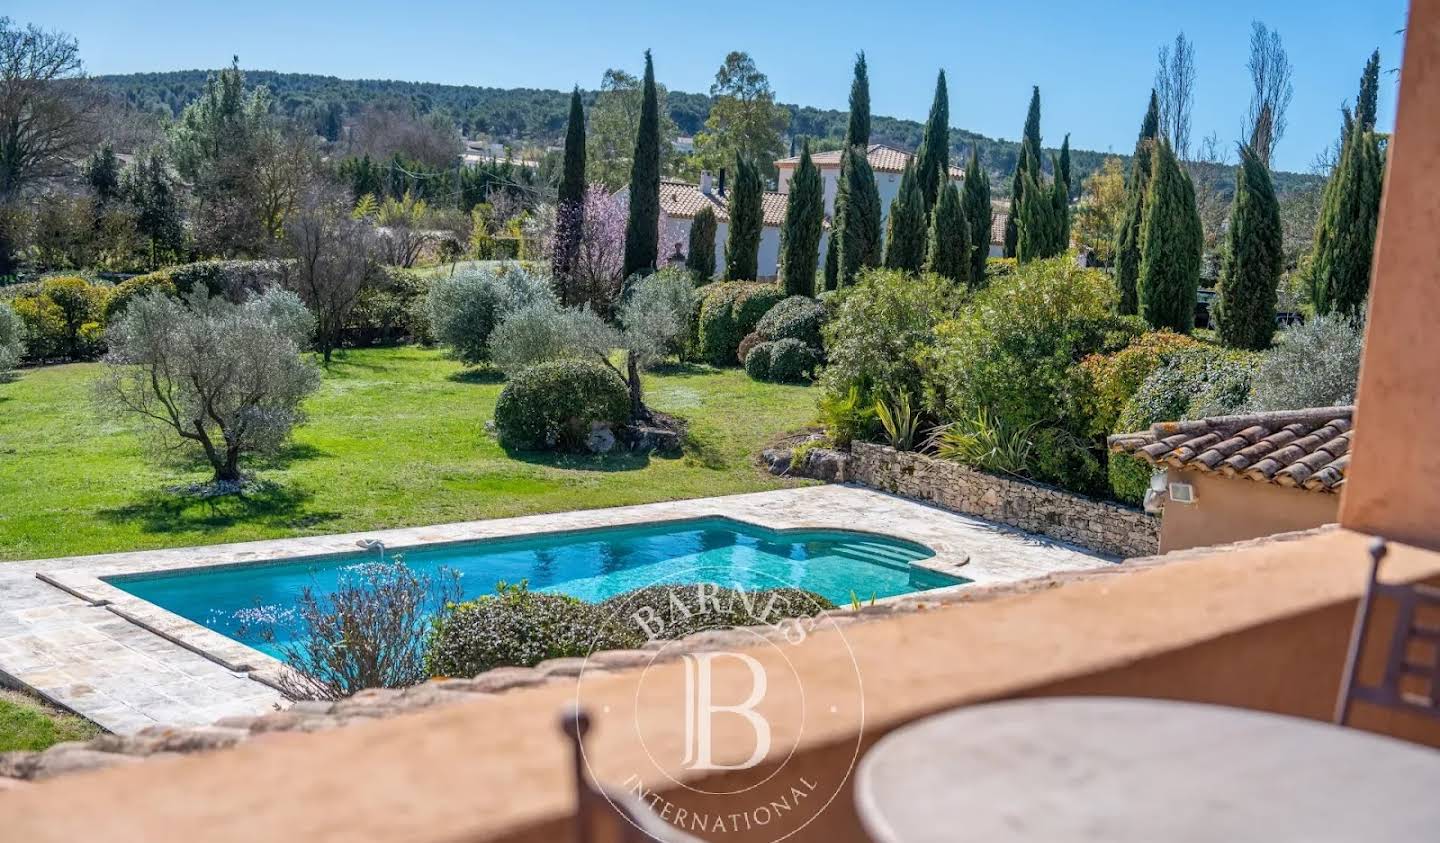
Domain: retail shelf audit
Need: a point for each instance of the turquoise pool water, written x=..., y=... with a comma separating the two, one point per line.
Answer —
x=590, y=564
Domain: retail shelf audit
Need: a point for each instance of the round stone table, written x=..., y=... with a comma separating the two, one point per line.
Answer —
x=1142, y=771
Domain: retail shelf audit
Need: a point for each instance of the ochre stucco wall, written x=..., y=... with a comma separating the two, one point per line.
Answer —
x=1234, y=509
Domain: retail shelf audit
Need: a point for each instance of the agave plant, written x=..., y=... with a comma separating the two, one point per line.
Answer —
x=982, y=441
x=900, y=421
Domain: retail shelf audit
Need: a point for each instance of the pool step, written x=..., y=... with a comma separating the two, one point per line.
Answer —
x=875, y=554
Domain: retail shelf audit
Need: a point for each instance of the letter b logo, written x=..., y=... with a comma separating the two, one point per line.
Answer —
x=700, y=707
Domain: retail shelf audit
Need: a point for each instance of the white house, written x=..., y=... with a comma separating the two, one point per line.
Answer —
x=681, y=201
x=887, y=162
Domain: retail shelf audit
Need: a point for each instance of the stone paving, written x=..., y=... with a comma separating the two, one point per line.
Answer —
x=129, y=665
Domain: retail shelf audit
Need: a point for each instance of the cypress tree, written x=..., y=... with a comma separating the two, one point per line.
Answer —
x=700, y=259
x=1170, y=246
x=570, y=207
x=950, y=249
x=1368, y=102
x=832, y=260
x=975, y=207
x=1127, y=243
x=859, y=231
x=1038, y=223
x=857, y=133
x=1029, y=153
x=1060, y=196
x=1254, y=258
x=933, y=159
x=905, y=231
x=1345, y=234
x=742, y=249
x=1062, y=169
x=804, y=220
x=642, y=230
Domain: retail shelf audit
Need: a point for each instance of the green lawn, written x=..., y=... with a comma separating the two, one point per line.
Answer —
x=396, y=437
x=27, y=723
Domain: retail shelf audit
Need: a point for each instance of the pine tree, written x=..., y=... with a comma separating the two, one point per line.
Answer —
x=1345, y=234
x=1127, y=243
x=859, y=231
x=804, y=221
x=905, y=227
x=642, y=230
x=570, y=206
x=933, y=159
x=1170, y=246
x=832, y=260
x=1029, y=152
x=949, y=249
x=700, y=258
x=857, y=133
x=742, y=249
x=975, y=207
x=1368, y=102
x=1254, y=258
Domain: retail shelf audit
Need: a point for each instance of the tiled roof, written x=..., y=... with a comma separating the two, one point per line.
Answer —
x=882, y=158
x=683, y=200
x=1307, y=449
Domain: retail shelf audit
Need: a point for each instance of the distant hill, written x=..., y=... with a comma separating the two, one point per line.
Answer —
x=537, y=116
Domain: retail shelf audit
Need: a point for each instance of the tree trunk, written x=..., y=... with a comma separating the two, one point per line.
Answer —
x=229, y=470
x=637, y=398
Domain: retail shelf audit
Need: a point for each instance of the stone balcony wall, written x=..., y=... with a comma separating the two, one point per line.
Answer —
x=1105, y=527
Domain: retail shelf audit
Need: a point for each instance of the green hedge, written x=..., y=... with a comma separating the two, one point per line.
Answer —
x=728, y=311
x=552, y=405
x=514, y=628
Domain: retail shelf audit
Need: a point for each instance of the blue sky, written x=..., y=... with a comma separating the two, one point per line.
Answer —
x=1093, y=60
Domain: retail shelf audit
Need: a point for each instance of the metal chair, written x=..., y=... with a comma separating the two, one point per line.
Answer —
x=608, y=816
x=1400, y=669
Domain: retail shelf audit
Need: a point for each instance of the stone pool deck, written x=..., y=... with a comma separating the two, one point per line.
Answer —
x=127, y=664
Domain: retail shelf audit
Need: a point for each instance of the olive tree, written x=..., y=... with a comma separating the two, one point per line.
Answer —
x=226, y=379
x=652, y=318
x=466, y=306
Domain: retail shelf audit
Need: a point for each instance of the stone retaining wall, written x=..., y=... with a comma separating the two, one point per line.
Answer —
x=1104, y=527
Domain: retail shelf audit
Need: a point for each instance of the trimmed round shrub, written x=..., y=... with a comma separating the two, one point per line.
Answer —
x=132, y=288
x=728, y=311
x=667, y=612
x=757, y=360
x=783, y=361
x=751, y=340
x=553, y=405
x=792, y=361
x=797, y=317
x=515, y=627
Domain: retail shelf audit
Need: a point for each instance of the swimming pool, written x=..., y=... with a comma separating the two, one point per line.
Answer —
x=589, y=564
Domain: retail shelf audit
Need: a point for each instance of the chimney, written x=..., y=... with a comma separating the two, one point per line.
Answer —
x=721, y=189
x=705, y=182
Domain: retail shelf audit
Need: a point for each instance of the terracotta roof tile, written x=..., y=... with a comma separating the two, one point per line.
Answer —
x=882, y=158
x=1307, y=449
x=683, y=200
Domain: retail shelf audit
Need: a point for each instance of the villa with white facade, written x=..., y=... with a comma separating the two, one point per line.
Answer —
x=680, y=201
